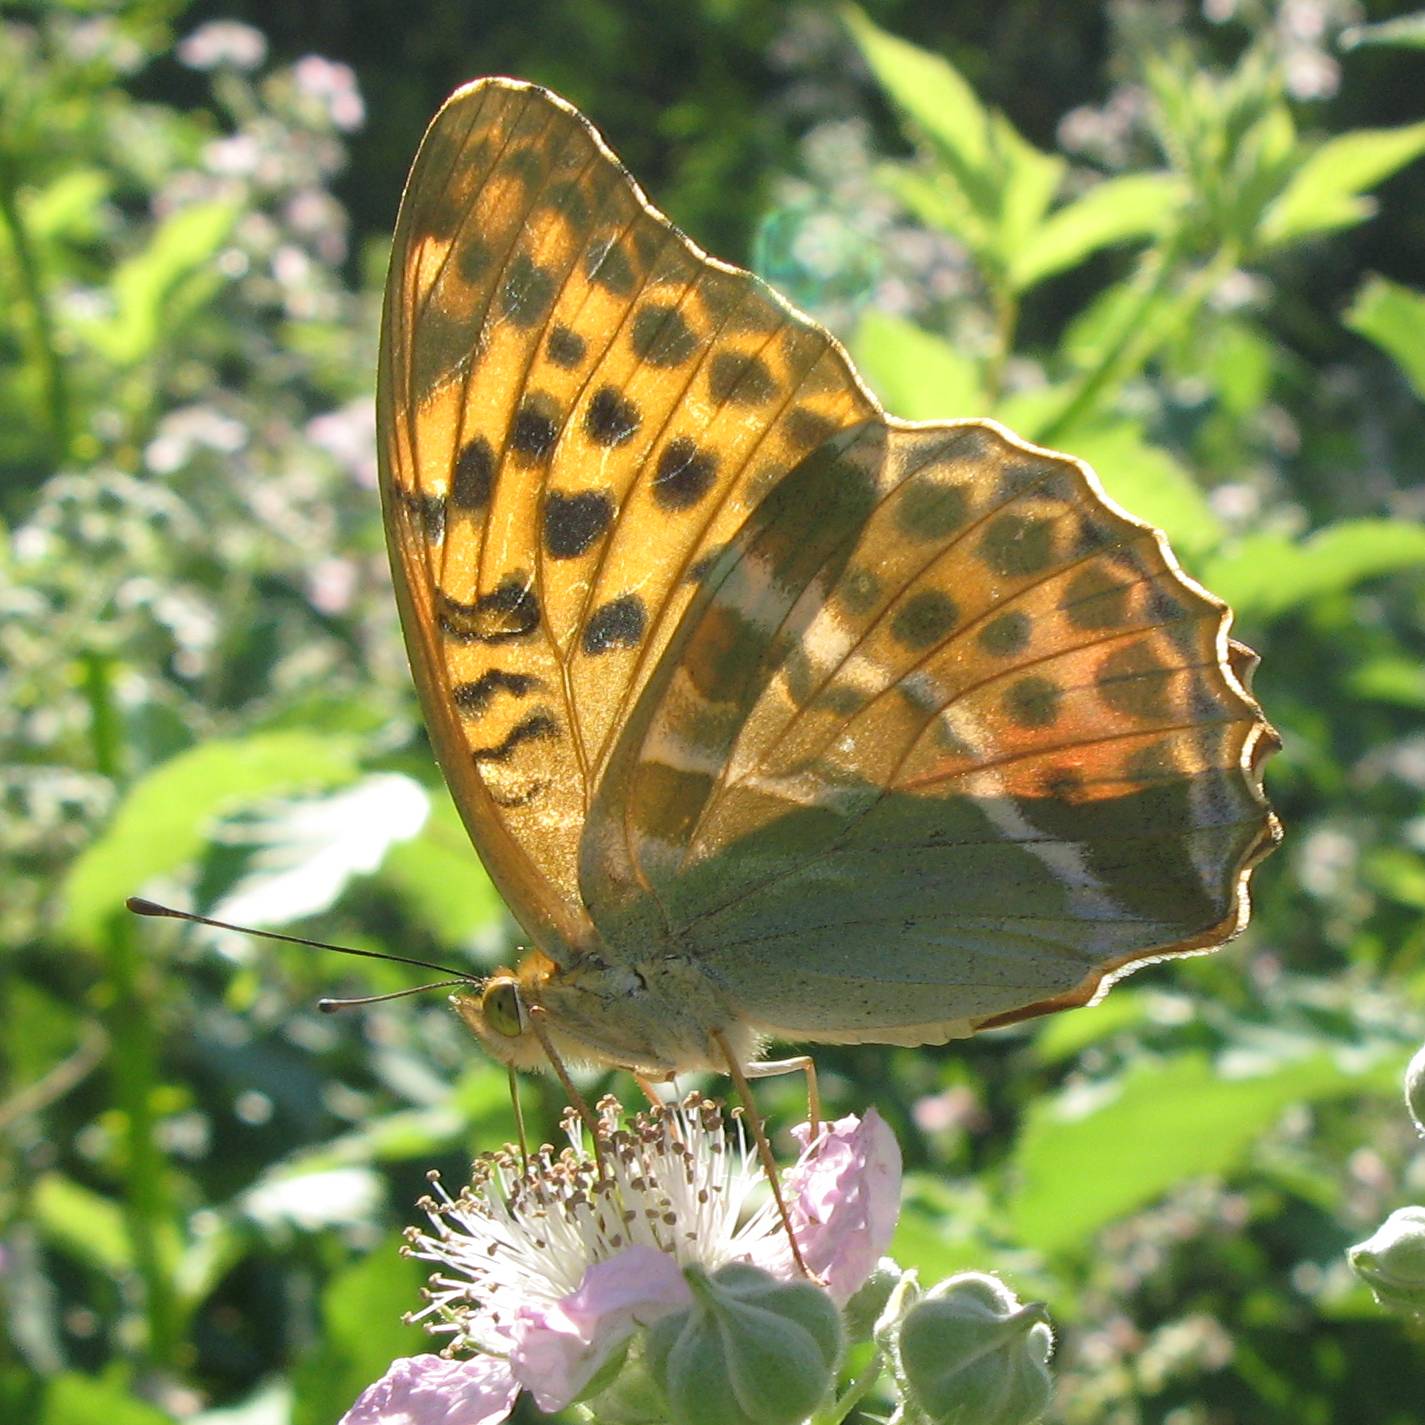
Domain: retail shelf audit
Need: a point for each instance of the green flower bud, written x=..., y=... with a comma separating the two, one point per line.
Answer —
x=629, y=1397
x=970, y=1354
x=869, y=1301
x=1415, y=1089
x=1392, y=1262
x=751, y=1350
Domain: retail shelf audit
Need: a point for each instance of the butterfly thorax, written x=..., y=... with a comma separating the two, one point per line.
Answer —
x=655, y=1016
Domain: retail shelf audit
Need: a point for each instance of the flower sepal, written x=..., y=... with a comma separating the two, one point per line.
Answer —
x=751, y=1350
x=1392, y=1261
x=969, y=1353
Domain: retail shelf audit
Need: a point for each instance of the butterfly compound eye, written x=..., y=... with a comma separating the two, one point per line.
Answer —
x=502, y=1008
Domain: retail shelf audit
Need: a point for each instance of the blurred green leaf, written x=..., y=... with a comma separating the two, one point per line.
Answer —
x=81, y=1223
x=1393, y=317
x=83, y=1400
x=1064, y=1036
x=1094, y=1154
x=155, y=289
x=440, y=878
x=1118, y=210
x=162, y=821
x=934, y=96
x=1265, y=575
x=1406, y=31
x=917, y=375
x=1391, y=679
x=1324, y=193
x=363, y=1333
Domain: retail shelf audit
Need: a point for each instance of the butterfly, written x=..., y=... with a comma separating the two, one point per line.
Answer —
x=771, y=716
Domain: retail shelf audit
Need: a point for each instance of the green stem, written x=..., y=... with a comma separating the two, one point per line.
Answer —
x=32, y=288
x=1140, y=334
x=149, y=1211
x=1006, y=308
x=853, y=1395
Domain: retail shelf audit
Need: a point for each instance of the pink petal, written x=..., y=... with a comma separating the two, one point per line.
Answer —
x=560, y=1348
x=430, y=1390
x=843, y=1196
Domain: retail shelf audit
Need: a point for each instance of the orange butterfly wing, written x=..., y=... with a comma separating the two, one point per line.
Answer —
x=577, y=408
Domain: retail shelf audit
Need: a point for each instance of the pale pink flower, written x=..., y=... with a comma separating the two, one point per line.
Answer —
x=547, y=1271
x=431, y=1390
x=843, y=1196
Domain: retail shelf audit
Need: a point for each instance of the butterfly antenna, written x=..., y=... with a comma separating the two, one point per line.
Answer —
x=140, y=907
x=330, y=1006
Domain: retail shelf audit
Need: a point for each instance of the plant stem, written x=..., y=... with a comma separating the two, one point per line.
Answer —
x=52, y=373
x=1141, y=333
x=853, y=1395
x=134, y=1068
x=1006, y=308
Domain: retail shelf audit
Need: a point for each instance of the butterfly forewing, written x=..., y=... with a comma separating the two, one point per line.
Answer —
x=579, y=409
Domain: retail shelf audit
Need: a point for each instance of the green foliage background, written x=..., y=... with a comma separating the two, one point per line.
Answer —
x=1187, y=244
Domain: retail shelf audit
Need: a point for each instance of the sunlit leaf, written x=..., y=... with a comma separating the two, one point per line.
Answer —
x=440, y=879
x=156, y=287
x=1325, y=192
x=74, y=1399
x=1118, y=210
x=1405, y=31
x=918, y=376
x=164, y=820
x=1393, y=317
x=1090, y=1156
x=1264, y=575
x=307, y=849
x=82, y=1223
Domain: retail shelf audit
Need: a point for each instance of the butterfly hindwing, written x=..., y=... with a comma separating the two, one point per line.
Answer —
x=984, y=745
x=578, y=410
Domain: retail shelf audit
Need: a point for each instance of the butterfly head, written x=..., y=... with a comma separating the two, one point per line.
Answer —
x=497, y=1012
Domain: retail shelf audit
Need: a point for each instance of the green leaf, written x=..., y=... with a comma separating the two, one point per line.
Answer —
x=917, y=375
x=1393, y=317
x=441, y=879
x=935, y=97
x=1265, y=575
x=1091, y=1156
x=79, y=1222
x=1118, y=210
x=163, y=821
x=1324, y=193
x=1064, y=1036
x=159, y=286
x=81, y=1400
x=1029, y=178
x=1406, y=31
x=934, y=199
x=364, y=1333
x=1149, y=483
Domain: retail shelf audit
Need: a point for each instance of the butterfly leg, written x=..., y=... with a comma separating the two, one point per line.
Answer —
x=650, y=1091
x=807, y=1066
x=579, y=1102
x=519, y=1118
x=764, y=1148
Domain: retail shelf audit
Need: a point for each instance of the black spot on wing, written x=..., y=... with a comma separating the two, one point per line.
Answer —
x=476, y=696
x=535, y=429
x=617, y=624
x=611, y=419
x=535, y=727
x=573, y=522
x=474, y=474
x=684, y=474
x=527, y=292
x=565, y=347
x=507, y=613
x=661, y=335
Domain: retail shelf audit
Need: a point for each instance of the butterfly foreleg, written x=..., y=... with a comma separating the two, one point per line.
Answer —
x=805, y=1063
x=764, y=1148
x=576, y=1099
